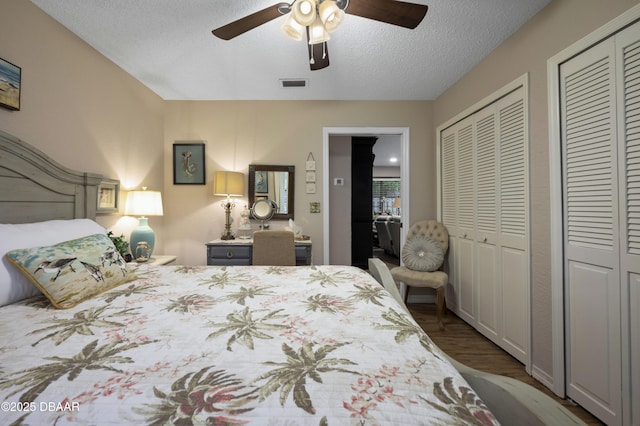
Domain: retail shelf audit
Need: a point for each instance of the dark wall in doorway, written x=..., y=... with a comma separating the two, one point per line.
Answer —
x=361, y=216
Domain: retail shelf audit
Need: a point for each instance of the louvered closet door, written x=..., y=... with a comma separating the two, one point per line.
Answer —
x=466, y=214
x=592, y=276
x=628, y=64
x=487, y=275
x=513, y=236
x=449, y=209
x=485, y=208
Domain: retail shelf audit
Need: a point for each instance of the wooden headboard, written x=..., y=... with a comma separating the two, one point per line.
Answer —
x=33, y=187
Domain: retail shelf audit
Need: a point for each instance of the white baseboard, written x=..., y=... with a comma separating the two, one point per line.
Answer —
x=543, y=377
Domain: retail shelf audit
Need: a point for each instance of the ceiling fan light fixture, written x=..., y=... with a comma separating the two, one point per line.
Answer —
x=317, y=33
x=304, y=12
x=292, y=29
x=330, y=15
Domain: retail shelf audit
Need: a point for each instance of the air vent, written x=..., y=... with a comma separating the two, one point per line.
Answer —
x=293, y=83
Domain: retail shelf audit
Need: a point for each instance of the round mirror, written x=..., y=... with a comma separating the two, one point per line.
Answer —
x=263, y=209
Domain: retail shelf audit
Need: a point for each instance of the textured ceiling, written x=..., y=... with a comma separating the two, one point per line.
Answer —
x=168, y=46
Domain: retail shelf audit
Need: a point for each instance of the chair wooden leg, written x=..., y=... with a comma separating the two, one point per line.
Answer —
x=440, y=306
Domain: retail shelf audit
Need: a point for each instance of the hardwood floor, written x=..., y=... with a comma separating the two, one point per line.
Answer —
x=463, y=343
x=390, y=260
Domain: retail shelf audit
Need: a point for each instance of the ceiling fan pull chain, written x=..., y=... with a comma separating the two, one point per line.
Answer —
x=324, y=50
x=312, y=60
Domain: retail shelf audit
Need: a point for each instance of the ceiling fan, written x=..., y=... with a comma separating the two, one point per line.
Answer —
x=315, y=19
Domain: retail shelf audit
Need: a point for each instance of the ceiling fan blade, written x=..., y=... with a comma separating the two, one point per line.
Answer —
x=318, y=54
x=249, y=22
x=403, y=14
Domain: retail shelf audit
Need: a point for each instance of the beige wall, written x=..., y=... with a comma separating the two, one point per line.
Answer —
x=78, y=107
x=238, y=133
x=557, y=26
x=88, y=114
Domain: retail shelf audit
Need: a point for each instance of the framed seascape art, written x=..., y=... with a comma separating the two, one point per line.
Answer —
x=188, y=163
x=108, y=196
x=10, y=76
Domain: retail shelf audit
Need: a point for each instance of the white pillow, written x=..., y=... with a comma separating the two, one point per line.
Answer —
x=15, y=286
x=422, y=254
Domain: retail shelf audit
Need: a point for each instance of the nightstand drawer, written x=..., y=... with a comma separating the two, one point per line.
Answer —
x=228, y=255
x=303, y=254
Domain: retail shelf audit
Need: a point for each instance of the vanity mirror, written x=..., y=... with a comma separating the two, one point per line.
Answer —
x=264, y=210
x=269, y=182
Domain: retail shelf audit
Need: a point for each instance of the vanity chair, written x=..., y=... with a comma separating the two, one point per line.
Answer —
x=274, y=248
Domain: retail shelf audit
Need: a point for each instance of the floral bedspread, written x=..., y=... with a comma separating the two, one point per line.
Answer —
x=318, y=345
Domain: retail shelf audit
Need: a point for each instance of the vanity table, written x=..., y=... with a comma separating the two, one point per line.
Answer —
x=239, y=252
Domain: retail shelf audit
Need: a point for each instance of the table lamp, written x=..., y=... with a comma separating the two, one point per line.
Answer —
x=397, y=204
x=229, y=184
x=143, y=203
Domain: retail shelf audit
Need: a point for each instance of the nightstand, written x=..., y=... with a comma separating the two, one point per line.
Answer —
x=158, y=260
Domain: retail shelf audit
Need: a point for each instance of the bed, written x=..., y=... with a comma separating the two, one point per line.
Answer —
x=87, y=339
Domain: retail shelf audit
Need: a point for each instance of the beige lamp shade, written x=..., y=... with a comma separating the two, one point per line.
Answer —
x=330, y=15
x=144, y=203
x=293, y=29
x=396, y=203
x=304, y=12
x=228, y=183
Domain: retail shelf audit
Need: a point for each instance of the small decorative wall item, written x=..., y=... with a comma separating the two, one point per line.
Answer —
x=311, y=187
x=311, y=163
x=108, y=196
x=10, y=80
x=188, y=163
x=314, y=207
x=311, y=176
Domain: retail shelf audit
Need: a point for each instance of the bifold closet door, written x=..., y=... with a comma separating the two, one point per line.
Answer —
x=466, y=228
x=488, y=282
x=513, y=225
x=459, y=215
x=450, y=211
x=501, y=278
x=485, y=208
x=590, y=192
x=600, y=117
x=628, y=66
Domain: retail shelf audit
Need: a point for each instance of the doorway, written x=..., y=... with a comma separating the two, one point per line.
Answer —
x=337, y=208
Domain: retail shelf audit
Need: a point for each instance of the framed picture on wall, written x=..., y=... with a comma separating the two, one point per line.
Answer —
x=10, y=79
x=108, y=196
x=188, y=163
